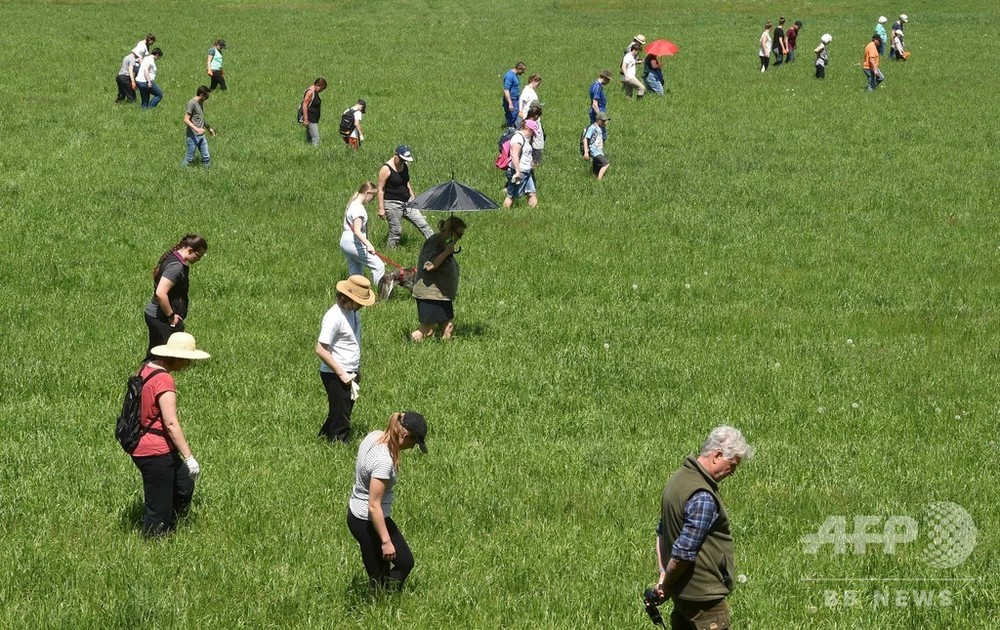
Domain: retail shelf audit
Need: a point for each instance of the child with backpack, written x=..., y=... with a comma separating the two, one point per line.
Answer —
x=592, y=145
x=350, y=125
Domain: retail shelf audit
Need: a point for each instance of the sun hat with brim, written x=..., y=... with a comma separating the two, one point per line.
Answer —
x=358, y=288
x=416, y=425
x=180, y=345
x=641, y=39
x=883, y=20
x=606, y=74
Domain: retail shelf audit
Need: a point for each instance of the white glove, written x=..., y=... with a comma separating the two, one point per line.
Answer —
x=193, y=468
x=355, y=390
x=362, y=138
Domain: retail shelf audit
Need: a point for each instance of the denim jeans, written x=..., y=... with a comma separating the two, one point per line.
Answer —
x=196, y=143
x=654, y=83
x=874, y=78
x=312, y=134
x=145, y=89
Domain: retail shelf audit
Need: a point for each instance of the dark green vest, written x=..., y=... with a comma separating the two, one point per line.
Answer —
x=711, y=575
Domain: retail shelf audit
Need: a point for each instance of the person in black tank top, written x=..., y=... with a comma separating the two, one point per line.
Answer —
x=394, y=191
x=310, y=110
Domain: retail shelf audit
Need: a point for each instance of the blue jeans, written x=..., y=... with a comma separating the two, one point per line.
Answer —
x=510, y=117
x=145, y=89
x=654, y=81
x=196, y=143
x=874, y=78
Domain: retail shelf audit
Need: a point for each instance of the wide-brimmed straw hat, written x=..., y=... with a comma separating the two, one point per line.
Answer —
x=180, y=345
x=358, y=288
x=641, y=39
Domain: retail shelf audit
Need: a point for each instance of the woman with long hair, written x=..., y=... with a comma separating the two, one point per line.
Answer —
x=358, y=250
x=384, y=551
x=168, y=308
x=765, y=46
x=437, y=280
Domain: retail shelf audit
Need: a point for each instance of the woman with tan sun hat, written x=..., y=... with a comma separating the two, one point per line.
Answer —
x=163, y=455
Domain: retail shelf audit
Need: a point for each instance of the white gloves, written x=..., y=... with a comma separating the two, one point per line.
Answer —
x=193, y=468
x=355, y=390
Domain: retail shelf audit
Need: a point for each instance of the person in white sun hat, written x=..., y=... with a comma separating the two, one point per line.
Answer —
x=823, y=55
x=880, y=31
x=163, y=456
x=896, y=48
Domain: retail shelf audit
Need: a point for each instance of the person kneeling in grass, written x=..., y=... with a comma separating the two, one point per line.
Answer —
x=593, y=146
x=194, y=120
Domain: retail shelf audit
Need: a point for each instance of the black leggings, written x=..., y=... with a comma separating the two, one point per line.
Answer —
x=218, y=80
x=764, y=61
x=338, y=397
x=381, y=573
x=167, y=491
x=159, y=332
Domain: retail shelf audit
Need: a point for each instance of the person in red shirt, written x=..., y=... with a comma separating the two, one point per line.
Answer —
x=163, y=457
x=870, y=63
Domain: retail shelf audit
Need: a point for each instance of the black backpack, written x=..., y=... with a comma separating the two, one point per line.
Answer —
x=347, y=122
x=129, y=429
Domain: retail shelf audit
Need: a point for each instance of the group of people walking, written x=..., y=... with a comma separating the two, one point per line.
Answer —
x=782, y=45
x=164, y=457
x=138, y=72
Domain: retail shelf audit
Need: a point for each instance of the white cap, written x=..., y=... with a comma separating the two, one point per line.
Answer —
x=903, y=17
x=826, y=39
x=883, y=20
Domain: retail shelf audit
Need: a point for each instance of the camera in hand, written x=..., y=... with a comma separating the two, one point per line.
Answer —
x=652, y=600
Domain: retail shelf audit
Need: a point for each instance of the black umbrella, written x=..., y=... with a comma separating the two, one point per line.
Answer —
x=452, y=197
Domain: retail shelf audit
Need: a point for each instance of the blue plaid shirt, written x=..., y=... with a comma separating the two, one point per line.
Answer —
x=700, y=513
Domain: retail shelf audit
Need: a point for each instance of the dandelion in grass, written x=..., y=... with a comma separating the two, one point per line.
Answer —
x=821, y=410
x=958, y=417
x=777, y=364
x=687, y=286
x=937, y=410
x=635, y=286
x=741, y=578
x=855, y=405
x=607, y=345
x=850, y=342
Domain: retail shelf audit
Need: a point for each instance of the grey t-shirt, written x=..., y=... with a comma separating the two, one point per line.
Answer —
x=375, y=461
x=173, y=270
x=196, y=112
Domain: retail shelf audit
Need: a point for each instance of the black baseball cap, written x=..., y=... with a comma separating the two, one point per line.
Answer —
x=416, y=425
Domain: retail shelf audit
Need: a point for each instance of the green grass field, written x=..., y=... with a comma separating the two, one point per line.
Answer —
x=811, y=263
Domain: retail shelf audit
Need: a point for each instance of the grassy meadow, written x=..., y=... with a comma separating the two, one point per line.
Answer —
x=808, y=262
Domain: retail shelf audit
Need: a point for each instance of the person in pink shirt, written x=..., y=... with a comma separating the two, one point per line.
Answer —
x=163, y=456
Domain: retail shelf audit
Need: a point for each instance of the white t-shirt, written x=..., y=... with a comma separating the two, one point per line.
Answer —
x=629, y=62
x=523, y=103
x=340, y=333
x=355, y=210
x=357, y=118
x=526, y=153
x=375, y=461
x=149, y=61
x=141, y=49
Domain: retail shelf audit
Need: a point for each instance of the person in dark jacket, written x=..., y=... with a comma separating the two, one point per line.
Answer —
x=695, y=534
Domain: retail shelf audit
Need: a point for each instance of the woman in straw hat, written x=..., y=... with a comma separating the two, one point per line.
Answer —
x=163, y=456
x=339, y=351
x=384, y=551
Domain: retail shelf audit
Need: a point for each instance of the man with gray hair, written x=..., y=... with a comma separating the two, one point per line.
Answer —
x=694, y=534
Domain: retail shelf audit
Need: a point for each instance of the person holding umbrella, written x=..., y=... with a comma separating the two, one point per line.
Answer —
x=437, y=280
x=652, y=72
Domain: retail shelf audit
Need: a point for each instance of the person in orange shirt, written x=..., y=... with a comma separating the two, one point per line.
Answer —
x=870, y=63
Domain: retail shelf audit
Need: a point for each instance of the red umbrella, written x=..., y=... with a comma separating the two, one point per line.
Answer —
x=660, y=47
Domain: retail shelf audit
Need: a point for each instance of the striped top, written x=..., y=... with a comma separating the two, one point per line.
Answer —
x=375, y=461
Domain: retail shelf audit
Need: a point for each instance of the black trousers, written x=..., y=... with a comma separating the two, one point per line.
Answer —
x=125, y=91
x=159, y=332
x=820, y=71
x=382, y=573
x=218, y=80
x=167, y=487
x=338, y=417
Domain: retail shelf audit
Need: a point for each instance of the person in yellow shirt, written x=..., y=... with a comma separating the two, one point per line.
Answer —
x=870, y=63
